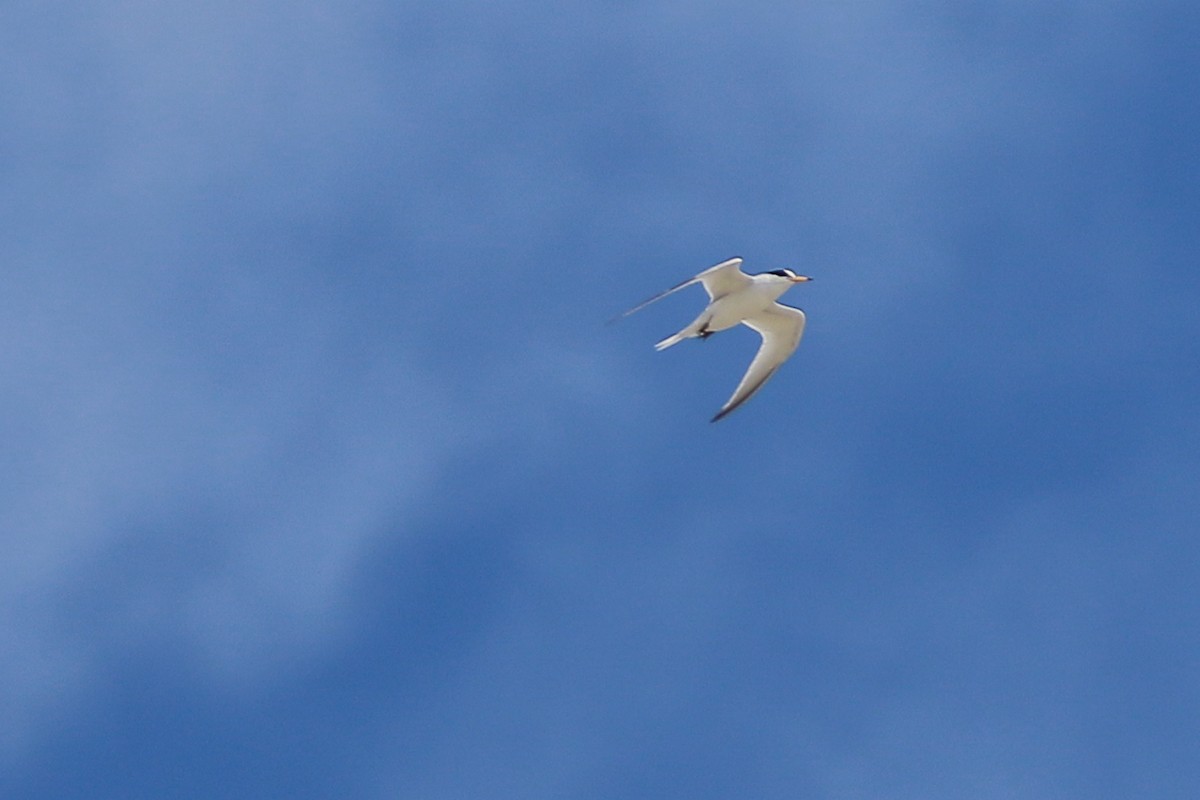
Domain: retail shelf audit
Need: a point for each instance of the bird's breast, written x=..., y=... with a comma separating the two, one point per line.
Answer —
x=731, y=309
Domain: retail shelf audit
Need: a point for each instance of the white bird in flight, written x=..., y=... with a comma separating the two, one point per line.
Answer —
x=735, y=297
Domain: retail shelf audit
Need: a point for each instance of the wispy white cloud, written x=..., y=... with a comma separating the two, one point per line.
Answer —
x=214, y=493
x=203, y=439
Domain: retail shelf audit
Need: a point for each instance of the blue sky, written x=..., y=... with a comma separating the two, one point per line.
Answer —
x=324, y=477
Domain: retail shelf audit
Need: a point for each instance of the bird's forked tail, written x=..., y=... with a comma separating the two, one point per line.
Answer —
x=667, y=342
x=674, y=339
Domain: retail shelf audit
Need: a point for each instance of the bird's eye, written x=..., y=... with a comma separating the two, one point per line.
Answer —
x=783, y=273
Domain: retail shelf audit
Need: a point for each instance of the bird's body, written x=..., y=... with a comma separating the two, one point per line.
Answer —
x=737, y=298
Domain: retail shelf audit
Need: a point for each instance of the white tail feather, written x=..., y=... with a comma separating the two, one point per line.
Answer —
x=672, y=340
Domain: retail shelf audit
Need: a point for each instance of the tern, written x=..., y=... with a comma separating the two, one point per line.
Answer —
x=737, y=298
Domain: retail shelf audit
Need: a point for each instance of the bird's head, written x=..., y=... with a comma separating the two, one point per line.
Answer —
x=788, y=275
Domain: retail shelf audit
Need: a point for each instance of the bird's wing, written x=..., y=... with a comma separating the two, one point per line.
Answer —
x=718, y=281
x=724, y=278
x=780, y=327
